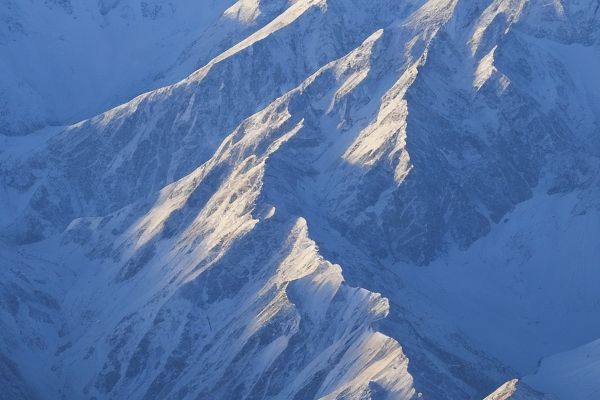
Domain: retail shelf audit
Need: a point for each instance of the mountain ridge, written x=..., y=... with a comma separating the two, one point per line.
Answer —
x=399, y=139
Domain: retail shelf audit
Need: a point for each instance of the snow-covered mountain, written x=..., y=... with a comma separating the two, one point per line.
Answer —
x=336, y=199
x=67, y=60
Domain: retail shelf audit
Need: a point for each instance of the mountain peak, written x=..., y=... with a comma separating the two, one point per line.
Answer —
x=338, y=199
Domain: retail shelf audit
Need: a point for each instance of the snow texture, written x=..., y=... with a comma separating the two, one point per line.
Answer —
x=309, y=199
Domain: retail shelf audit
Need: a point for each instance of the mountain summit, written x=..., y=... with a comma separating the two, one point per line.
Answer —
x=307, y=199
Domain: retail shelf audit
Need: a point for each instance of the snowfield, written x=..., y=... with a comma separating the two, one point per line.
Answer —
x=308, y=199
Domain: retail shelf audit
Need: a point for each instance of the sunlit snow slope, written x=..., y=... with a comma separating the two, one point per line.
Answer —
x=330, y=199
x=67, y=60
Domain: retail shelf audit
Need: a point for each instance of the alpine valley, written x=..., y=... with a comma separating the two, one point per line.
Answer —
x=307, y=199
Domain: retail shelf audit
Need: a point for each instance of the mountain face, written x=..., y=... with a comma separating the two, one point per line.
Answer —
x=67, y=60
x=329, y=199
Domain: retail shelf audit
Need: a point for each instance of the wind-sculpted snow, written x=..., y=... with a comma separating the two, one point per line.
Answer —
x=348, y=200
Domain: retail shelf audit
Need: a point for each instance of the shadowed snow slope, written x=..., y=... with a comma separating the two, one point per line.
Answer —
x=347, y=200
x=66, y=60
x=573, y=374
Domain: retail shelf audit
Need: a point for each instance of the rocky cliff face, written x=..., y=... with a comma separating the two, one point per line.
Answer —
x=347, y=200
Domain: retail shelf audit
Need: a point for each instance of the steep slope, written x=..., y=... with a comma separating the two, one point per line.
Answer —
x=441, y=153
x=573, y=374
x=516, y=390
x=163, y=135
x=31, y=293
x=569, y=375
x=67, y=60
x=273, y=311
